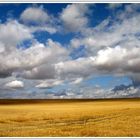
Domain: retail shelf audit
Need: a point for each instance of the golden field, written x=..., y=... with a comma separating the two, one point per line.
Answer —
x=110, y=117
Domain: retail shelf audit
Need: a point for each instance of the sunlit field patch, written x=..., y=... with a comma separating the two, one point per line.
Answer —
x=110, y=117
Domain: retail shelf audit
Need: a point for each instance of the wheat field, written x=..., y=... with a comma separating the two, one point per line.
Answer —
x=70, y=118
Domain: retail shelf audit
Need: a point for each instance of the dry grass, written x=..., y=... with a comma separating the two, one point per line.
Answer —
x=70, y=117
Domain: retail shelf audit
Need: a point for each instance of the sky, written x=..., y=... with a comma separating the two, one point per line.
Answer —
x=73, y=50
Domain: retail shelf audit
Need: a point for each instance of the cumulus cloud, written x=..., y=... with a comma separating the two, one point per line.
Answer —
x=82, y=67
x=102, y=63
x=35, y=15
x=127, y=61
x=110, y=34
x=74, y=17
x=12, y=33
x=49, y=83
x=113, y=45
x=38, y=19
x=45, y=68
x=35, y=62
x=15, y=84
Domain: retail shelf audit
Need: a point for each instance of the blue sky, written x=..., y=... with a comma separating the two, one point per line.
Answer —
x=69, y=50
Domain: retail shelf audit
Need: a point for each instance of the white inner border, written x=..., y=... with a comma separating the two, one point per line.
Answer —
x=68, y=1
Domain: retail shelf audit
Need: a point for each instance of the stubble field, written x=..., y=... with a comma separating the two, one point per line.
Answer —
x=78, y=118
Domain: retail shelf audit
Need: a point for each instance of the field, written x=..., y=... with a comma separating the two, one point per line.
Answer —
x=110, y=117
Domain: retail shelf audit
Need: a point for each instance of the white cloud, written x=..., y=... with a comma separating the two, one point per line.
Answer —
x=82, y=67
x=2, y=47
x=74, y=17
x=15, y=84
x=77, y=81
x=35, y=15
x=37, y=19
x=117, y=61
x=121, y=33
x=12, y=33
x=34, y=62
x=124, y=59
x=46, y=28
x=49, y=83
x=50, y=54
